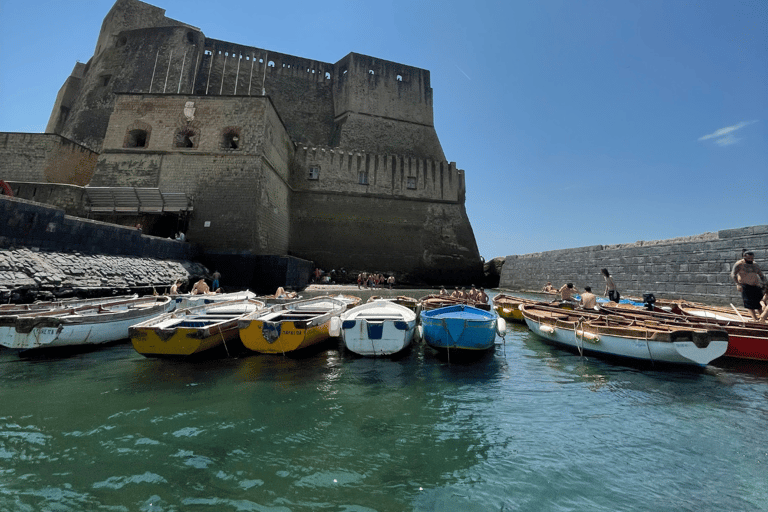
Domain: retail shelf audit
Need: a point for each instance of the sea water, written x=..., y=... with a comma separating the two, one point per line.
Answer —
x=526, y=427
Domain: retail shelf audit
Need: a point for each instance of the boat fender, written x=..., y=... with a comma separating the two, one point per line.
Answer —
x=547, y=328
x=335, y=327
x=501, y=326
x=589, y=336
x=420, y=331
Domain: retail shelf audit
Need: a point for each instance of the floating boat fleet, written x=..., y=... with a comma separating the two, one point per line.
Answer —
x=676, y=333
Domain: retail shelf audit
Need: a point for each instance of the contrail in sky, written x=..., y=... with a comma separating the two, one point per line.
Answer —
x=466, y=75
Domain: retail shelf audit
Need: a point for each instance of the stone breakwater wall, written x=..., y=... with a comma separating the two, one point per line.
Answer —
x=45, y=254
x=695, y=268
x=28, y=274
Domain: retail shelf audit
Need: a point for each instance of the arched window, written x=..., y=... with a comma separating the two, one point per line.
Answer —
x=230, y=138
x=137, y=135
x=136, y=139
x=185, y=138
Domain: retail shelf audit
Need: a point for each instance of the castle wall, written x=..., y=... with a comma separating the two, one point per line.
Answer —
x=241, y=196
x=44, y=158
x=69, y=198
x=300, y=88
x=340, y=171
x=694, y=268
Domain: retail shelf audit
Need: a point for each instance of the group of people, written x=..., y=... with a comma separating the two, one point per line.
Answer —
x=587, y=299
x=373, y=281
x=474, y=294
x=200, y=287
x=752, y=285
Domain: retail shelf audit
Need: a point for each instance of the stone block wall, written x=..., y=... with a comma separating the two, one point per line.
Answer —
x=44, y=158
x=695, y=268
x=27, y=224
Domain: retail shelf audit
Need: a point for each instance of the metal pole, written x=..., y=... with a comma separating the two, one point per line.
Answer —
x=264, y=77
x=152, y=80
x=223, y=71
x=237, y=75
x=167, y=71
x=194, y=77
x=250, y=76
x=181, y=73
x=210, y=70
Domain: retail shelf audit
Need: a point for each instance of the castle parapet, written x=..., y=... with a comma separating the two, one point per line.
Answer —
x=334, y=170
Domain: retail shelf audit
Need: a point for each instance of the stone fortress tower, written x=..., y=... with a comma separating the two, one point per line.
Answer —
x=336, y=163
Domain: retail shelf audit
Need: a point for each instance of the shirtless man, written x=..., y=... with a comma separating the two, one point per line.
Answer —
x=481, y=297
x=456, y=293
x=567, y=291
x=588, y=299
x=749, y=279
x=175, y=287
x=200, y=288
x=549, y=288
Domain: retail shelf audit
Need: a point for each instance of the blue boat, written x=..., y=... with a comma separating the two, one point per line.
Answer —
x=461, y=327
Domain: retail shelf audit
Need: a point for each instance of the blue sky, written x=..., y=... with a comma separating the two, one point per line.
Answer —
x=577, y=122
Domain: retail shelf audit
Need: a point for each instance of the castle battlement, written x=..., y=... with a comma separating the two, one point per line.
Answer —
x=327, y=169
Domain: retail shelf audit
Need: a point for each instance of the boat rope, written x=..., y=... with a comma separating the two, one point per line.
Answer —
x=580, y=324
x=223, y=340
x=648, y=346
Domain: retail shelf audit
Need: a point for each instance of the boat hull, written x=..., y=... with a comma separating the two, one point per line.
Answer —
x=192, y=331
x=379, y=328
x=459, y=327
x=683, y=351
x=290, y=327
x=64, y=330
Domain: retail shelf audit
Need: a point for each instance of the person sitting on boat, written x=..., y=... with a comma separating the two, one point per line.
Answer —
x=472, y=294
x=200, y=288
x=456, y=293
x=481, y=296
x=282, y=294
x=588, y=299
x=764, y=316
x=175, y=287
x=749, y=278
x=549, y=288
x=443, y=291
x=567, y=291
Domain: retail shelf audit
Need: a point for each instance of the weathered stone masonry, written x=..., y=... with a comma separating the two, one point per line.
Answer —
x=694, y=268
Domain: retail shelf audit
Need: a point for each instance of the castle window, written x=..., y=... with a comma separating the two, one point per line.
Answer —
x=411, y=183
x=314, y=173
x=271, y=64
x=185, y=138
x=370, y=72
x=136, y=139
x=105, y=80
x=327, y=75
x=399, y=78
x=121, y=41
x=191, y=37
x=230, y=139
x=362, y=177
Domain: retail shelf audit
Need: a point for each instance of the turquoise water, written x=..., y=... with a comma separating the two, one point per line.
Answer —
x=527, y=427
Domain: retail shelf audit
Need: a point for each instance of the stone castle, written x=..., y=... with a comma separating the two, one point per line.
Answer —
x=337, y=163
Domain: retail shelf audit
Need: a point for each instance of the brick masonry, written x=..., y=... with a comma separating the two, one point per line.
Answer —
x=694, y=268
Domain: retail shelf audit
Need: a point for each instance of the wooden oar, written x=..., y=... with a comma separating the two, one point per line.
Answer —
x=737, y=312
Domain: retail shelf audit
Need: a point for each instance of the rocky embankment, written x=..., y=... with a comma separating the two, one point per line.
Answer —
x=27, y=275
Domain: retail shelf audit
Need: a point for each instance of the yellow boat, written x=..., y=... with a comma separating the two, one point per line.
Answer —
x=286, y=328
x=507, y=307
x=191, y=331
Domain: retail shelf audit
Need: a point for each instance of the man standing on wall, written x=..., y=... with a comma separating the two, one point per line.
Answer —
x=749, y=278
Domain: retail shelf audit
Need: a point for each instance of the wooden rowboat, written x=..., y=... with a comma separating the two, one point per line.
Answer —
x=285, y=328
x=90, y=324
x=378, y=328
x=185, y=332
x=614, y=335
x=461, y=327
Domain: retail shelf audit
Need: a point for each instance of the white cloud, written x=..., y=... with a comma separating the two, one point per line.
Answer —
x=725, y=136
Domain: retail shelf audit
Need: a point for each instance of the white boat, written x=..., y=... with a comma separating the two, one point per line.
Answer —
x=187, y=300
x=90, y=324
x=378, y=328
x=612, y=335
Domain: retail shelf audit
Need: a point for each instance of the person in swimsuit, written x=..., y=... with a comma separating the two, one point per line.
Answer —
x=749, y=280
x=610, y=287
